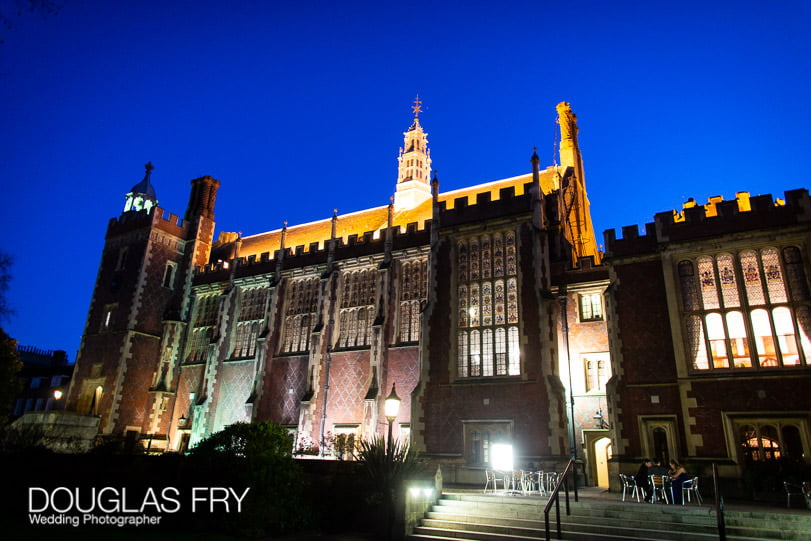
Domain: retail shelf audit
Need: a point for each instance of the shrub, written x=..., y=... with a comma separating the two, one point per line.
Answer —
x=258, y=456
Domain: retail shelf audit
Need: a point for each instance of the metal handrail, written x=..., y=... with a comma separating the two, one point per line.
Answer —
x=554, y=497
x=719, y=505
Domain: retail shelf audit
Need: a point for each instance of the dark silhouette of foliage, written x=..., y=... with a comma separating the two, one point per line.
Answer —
x=387, y=467
x=10, y=366
x=256, y=456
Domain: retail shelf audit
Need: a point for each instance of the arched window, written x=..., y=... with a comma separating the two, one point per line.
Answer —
x=751, y=313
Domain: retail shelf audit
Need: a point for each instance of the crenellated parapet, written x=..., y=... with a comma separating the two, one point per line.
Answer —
x=155, y=217
x=485, y=207
x=315, y=253
x=715, y=218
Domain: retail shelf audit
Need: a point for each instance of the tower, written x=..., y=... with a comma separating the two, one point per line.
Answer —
x=125, y=367
x=414, y=171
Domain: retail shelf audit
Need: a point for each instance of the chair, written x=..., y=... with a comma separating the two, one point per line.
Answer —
x=792, y=489
x=688, y=488
x=630, y=487
x=532, y=481
x=660, y=489
x=551, y=481
x=492, y=479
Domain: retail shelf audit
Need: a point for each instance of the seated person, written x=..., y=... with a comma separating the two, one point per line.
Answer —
x=678, y=475
x=642, y=478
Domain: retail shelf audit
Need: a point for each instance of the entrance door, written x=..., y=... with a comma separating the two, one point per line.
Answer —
x=602, y=452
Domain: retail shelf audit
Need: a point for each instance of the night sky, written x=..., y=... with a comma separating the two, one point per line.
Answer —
x=299, y=107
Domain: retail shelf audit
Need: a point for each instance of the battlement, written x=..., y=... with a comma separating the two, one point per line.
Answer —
x=153, y=217
x=485, y=207
x=716, y=217
x=314, y=253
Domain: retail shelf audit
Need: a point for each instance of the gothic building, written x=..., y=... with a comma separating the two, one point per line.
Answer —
x=487, y=309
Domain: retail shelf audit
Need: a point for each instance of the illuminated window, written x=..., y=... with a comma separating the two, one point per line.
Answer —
x=487, y=301
x=302, y=302
x=591, y=307
x=746, y=310
x=413, y=292
x=108, y=317
x=771, y=440
x=596, y=367
x=357, y=308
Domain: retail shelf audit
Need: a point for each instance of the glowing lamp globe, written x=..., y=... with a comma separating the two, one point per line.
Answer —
x=392, y=405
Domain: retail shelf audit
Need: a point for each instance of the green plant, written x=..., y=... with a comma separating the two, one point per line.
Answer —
x=386, y=467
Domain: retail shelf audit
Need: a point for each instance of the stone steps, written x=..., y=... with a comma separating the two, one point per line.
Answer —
x=479, y=517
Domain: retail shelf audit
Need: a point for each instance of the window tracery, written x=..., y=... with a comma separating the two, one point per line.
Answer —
x=205, y=321
x=251, y=315
x=743, y=311
x=487, y=297
x=357, y=308
x=302, y=303
x=413, y=291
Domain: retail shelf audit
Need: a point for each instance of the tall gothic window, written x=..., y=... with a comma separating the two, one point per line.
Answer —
x=413, y=291
x=251, y=315
x=205, y=321
x=746, y=310
x=357, y=308
x=302, y=302
x=487, y=293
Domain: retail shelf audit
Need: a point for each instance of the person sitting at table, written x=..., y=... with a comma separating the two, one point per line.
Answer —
x=642, y=478
x=678, y=475
x=657, y=468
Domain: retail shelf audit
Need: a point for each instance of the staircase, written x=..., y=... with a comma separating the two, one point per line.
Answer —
x=479, y=517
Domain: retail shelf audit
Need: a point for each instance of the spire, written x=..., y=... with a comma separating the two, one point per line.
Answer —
x=142, y=195
x=414, y=170
x=537, y=196
x=573, y=200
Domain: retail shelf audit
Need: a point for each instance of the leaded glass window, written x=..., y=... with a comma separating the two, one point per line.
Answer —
x=413, y=292
x=751, y=313
x=357, y=308
x=300, y=314
x=251, y=315
x=206, y=309
x=487, y=298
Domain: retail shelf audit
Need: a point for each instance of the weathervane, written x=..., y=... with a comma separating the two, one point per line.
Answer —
x=417, y=107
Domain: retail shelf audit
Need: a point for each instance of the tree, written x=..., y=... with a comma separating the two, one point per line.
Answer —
x=10, y=366
x=15, y=8
x=5, y=282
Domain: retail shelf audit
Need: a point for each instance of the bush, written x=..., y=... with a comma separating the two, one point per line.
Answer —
x=256, y=456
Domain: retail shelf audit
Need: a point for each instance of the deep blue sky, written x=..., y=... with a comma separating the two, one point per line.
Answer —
x=299, y=107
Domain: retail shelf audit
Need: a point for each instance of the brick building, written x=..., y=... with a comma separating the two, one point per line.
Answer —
x=485, y=308
x=713, y=365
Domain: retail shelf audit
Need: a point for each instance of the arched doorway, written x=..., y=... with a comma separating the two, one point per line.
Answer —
x=602, y=452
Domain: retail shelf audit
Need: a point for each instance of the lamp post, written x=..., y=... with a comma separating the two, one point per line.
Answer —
x=392, y=407
x=58, y=394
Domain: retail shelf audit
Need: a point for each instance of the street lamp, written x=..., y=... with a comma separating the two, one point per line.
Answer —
x=58, y=394
x=392, y=407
